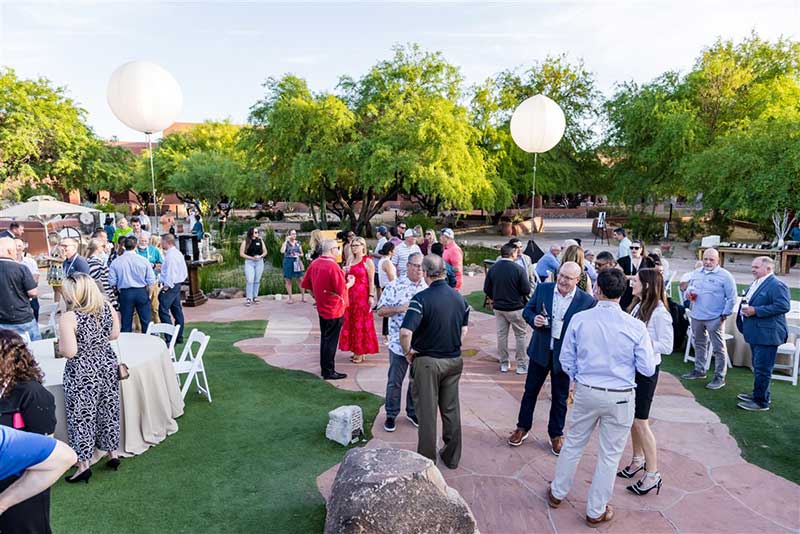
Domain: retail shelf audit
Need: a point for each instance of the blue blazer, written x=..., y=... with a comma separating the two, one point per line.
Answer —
x=768, y=326
x=539, y=347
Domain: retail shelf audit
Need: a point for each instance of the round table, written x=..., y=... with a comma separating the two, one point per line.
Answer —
x=738, y=349
x=150, y=398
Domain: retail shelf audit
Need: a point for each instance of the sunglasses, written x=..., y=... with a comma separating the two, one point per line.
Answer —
x=636, y=248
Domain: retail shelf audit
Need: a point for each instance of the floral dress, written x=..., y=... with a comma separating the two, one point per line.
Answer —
x=358, y=331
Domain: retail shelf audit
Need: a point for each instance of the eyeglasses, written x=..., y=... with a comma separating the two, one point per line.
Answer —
x=565, y=277
x=416, y=265
x=635, y=248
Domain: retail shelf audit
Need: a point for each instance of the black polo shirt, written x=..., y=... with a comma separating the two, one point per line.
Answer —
x=436, y=316
x=15, y=306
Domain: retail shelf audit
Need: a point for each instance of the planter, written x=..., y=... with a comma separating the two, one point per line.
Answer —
x=506, y=228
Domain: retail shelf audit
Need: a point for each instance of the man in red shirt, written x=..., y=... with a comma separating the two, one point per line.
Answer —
x=325, y=279
x=453, y=254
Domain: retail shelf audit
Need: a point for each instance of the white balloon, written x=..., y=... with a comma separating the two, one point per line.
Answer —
x=537, y=124
x=144, y=96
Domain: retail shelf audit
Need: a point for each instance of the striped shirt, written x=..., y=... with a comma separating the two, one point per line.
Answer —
x=401, y=255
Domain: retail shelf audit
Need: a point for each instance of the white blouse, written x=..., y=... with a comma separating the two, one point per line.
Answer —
x=660, y=329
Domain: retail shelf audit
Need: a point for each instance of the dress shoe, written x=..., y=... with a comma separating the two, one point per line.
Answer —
x=335, y=376
x=552, y=501
x=745, y=397
x=752, y=406
x=517, y=437
x=556, y=443
x=647, y=484
x=113, y=463
x=607, y=516
x=84, y=476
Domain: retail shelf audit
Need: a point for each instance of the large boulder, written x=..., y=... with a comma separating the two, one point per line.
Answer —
x=394, y=491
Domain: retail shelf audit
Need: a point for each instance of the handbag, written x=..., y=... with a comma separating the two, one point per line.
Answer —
x=123, y=372
x=298, y=265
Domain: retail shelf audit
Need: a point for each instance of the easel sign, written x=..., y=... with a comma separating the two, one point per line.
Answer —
x=601, y=228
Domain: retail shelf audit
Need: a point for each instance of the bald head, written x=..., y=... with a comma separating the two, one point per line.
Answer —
x=555, y=250
x=8, y=249
x=330, y=247
x=710, y=259
x=568, y=276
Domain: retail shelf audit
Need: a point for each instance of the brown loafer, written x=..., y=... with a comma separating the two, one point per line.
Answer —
x=552, y=501
x=607, y=516
x=517, y=437
x=556, y=443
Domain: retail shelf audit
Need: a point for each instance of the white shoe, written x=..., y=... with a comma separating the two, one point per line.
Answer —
x=522, y=369
x=504, y=367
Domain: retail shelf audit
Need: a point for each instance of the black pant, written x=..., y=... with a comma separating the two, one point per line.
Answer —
x=169, y=300
x=130, y=298
x=35, y=308
x=559, y=382
x=329, y=340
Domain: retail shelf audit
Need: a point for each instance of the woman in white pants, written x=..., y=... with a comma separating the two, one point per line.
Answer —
x=253, y=250
x=651, y=307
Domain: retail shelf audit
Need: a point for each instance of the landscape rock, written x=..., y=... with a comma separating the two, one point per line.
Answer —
x=226, y=293
x=394, y=491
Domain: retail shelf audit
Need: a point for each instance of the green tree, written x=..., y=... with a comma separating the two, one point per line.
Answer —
x=399, y=128
x=43, y=137
x=572, y=166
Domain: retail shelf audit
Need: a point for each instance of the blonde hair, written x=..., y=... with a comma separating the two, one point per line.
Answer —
x=433, y=234
x=361, y=241
x=573, y=253
x=83, y=294
x=155, y=240
x=315, y=239
x=94, y=245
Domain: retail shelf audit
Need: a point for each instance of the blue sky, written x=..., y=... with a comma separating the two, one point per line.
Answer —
x=221, y=53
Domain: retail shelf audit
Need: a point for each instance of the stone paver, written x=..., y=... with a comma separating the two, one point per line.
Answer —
x=708, y=487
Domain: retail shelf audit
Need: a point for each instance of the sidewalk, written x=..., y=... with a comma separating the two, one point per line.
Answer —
x=708, y=487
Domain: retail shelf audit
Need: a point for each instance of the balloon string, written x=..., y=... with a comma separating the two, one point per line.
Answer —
x=153, y=179
x=533, y=194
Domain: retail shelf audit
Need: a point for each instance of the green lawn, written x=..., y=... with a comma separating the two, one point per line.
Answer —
x=767, y=439
x=246, y=463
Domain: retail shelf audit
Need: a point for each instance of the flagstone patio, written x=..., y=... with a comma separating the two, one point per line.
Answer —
x=708, y=486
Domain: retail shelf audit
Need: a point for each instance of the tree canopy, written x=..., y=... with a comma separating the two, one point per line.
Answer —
x=726, y=132
x=399, y=128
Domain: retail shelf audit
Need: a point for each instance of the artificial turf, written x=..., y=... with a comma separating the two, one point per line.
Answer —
x=245, y=463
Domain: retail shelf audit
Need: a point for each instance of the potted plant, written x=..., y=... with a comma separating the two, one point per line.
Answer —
x=519, y=225
x=506, y=227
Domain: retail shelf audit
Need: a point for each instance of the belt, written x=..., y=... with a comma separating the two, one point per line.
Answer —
x=127, y=288
x=609, y=390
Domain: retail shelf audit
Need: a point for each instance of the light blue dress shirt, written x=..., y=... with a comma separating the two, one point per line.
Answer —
x=173, y=270
x=716, y=293
x=624, y=248
x=548, y=262
x=130, y=270
x=604, y=347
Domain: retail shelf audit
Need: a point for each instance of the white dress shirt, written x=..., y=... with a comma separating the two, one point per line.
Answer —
x=755, y=285
x=173, y=271
x=560, y=306
x=604, y=347
x=659, y=327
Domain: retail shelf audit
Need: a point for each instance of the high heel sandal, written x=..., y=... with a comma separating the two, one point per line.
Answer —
x=113, y=463
x=357, y=358
x=639, y=489
x=627, y=473
x=84, y=476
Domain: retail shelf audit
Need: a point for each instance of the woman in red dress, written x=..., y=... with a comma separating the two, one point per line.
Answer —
x=358, y=331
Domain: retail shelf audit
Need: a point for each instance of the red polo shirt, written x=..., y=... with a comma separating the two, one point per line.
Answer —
x=325, y=279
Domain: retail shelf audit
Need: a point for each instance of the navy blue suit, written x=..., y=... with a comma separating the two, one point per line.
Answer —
x=765, y=331
x=544, y=361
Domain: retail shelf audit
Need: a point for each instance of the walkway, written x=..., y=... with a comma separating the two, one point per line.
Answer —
x=708, y=487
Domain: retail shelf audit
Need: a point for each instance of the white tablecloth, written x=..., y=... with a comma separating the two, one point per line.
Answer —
x=150, y=397
x=738, y=349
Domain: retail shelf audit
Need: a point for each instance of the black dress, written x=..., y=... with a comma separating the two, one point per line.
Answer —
x=37, y=409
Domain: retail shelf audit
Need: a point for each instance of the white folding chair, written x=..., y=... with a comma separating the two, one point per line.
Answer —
x=191, y=364
x=690, y=345
x=26, y=337
x=43, y=349
x=157, y=329
x=792, y=352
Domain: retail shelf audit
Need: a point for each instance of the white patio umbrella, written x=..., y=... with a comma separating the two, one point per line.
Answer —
x=43, y=207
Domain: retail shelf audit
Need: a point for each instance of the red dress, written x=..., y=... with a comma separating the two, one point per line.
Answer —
x=358, y=330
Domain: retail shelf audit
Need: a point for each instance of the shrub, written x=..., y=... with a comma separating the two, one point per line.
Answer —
x=719, y=224
x=307, y=226
x=645, y=227
x=688, y=230
x=420, y=219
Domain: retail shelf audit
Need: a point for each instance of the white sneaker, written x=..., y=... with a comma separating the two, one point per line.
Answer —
x=504, y=367
x=522, y=369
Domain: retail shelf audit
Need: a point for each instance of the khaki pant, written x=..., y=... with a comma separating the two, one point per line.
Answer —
x=137, y=324
x=513, y=319
x=434, y=388
x=612, y=414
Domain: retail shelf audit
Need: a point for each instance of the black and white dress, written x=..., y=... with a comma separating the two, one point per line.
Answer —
x=91, y=387
x=99, y=271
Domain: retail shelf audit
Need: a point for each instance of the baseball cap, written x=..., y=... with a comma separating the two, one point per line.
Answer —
x=409, y=233
x=447, y=232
